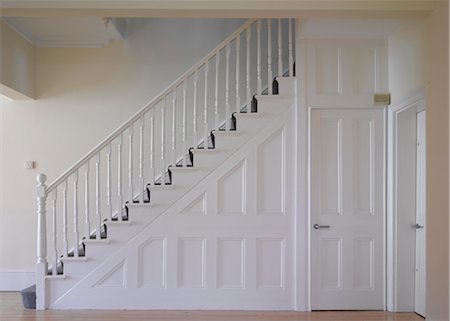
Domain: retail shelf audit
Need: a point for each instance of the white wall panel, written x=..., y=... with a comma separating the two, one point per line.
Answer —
x=197, y=206
x=270, y=263
x=231, y=263
x=232, y=191
x=191, y=262
x=271, y=167
x=152, y=263
x=116, y=277
x=345, y=72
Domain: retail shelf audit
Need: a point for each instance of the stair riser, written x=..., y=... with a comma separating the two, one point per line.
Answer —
x=184, y=178
x=287, y=87
x=206, y=160
x=228, y=142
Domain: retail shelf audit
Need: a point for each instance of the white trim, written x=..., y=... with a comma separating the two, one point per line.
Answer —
x=16, y=280
x=302, y=302
x=391, y=244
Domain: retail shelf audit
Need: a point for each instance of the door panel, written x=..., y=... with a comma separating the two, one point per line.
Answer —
x=347, y=188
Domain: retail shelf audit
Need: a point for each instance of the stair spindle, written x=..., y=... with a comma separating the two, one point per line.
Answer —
x=141, y=160
x=280, y=50
x=130, y=163
x=119, y=178
x=248, y=71
x=64, y=216
x=269, y=56
x=184, y=147
x=54, y=240
x=238, y=52
x=216, y=94
x=163, y=138
x=227, y=88
x=258, y=57
x=76, y=237
x=205, y=113
x=194, y=113
x=87, y=222
x=152, y=149
x=174, y=125
x=97, y=197
x=108, y=181
x=291, y=53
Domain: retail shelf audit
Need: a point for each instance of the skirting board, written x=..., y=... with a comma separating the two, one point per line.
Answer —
x=16, y=280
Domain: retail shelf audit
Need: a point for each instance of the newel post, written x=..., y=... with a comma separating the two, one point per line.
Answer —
x=41, y=264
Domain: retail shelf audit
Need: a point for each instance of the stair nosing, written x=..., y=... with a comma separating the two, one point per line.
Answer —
x=58, y=276
x=96, y=241
x=74, y=259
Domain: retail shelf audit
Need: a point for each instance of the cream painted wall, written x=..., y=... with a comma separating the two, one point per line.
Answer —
x=17, y=64
x=407, y=60
x=437, y=164
x=418, y=58
x=83, y=95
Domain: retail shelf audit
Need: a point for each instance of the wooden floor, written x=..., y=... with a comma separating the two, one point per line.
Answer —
x=11, y=310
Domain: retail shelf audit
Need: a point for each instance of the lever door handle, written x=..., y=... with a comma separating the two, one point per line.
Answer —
x=417, y=226
x=317, y=226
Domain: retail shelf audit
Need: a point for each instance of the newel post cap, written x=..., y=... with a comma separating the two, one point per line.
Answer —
x=41, y=189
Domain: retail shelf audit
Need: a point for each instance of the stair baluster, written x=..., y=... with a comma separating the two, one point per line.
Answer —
x=205, y=112
x=174, y=126
x=216, y=94
x=119, y=177
x=184, y=143
x=163, y=135
x=227, y=87
x=291, y=54
x=76, y=237
x=130, y=163
x=249, y=99
x=87, y=222
x=194, y=112
x=64, y=211
x=280, y=50
x=152, y=148
x=54, y=230
x=258, y=58
x=238, y=53
x=108, y=182
x=269, y=56
x=141, y=161
x=97, y=197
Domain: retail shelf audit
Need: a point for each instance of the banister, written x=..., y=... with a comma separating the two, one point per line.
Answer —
x=148, y=106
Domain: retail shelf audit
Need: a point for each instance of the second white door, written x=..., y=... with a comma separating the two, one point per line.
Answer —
x=347, y=209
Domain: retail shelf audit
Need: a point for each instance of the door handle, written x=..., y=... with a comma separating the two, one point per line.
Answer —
x=317, y=226
x=417, y=226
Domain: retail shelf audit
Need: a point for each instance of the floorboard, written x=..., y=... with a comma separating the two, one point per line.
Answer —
x=11, y=310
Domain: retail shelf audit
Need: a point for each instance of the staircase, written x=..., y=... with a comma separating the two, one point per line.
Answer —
x=130, y=225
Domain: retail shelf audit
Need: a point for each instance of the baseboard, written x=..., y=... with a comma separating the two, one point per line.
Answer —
x=16, y=280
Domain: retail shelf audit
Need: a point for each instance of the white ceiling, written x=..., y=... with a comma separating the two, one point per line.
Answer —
x=68, y=31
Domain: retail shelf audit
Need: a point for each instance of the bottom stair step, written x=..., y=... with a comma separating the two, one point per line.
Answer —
x=29, y=297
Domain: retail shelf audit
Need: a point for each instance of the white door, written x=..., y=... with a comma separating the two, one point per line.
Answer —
x=420, y=214
x=347, y=209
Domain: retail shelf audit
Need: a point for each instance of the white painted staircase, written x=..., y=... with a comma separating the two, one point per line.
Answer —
x=185, y=205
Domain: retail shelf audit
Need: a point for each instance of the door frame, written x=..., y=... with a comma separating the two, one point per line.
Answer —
x=415, y=103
